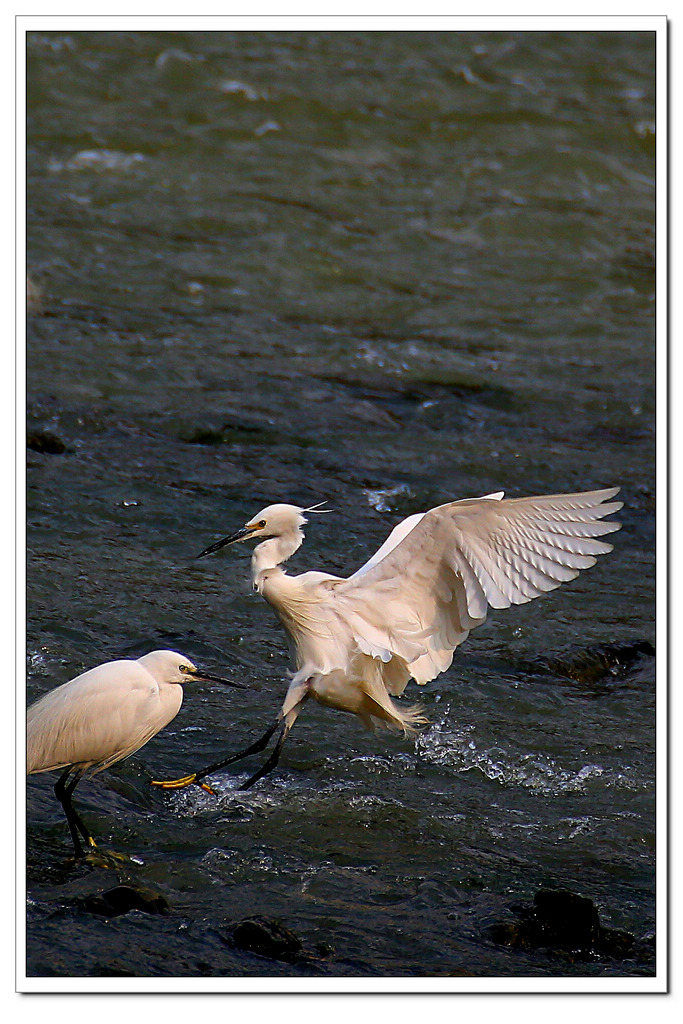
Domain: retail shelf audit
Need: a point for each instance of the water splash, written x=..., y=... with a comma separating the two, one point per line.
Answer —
x=381, y=500
x=455, y=747
x=100, y=160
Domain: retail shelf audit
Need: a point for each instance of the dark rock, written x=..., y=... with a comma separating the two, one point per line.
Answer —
x=44, y=442
x=267, y=937
x=230, y=432
x=122, y=899
x=204, y=968
x=565, y=920
x=596, y=663
x=561, y=920
x=204, y=435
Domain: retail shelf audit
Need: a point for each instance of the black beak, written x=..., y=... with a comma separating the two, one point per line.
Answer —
x=199, y=675
x=240, y=535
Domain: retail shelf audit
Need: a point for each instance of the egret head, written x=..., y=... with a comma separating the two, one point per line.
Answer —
x=272, y=521
x=171, y=667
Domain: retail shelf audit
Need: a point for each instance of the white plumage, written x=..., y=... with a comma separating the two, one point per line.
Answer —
x=102, y=716
x=356, y=642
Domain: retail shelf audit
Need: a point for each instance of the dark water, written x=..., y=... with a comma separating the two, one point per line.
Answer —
x=389, y=270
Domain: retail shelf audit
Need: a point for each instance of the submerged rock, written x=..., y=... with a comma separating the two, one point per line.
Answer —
x=595, y=663
x=232, y=431
x=267, y=937
x=562, y=920
x=122, y=899
x=44, y=442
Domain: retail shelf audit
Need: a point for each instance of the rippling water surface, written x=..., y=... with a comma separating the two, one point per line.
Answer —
x=389, y=270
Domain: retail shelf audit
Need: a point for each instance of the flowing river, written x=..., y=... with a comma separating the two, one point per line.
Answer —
x=387, y=270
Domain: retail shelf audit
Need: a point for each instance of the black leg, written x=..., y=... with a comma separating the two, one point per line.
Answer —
x=187, y=780
x=80, y=825
x=296, y=697
x=271, y=762
x=63, y=793
x=287, y=723
x=255, y=748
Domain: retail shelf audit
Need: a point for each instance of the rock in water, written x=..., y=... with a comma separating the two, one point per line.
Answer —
x=45, y=443
x=596, y=663
x=562, y=920
x=124, y=898
x=268, y=937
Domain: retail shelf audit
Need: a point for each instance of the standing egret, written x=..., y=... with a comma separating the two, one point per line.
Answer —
x=358, y=641
x=102, y=716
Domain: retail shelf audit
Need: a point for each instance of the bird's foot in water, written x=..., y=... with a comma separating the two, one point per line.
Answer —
x=186, y=780
x=99, y=858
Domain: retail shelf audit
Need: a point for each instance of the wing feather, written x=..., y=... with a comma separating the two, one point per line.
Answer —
x=435, y=577
x=95, y=719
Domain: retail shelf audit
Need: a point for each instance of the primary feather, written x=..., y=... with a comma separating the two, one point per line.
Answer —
x=426, y=594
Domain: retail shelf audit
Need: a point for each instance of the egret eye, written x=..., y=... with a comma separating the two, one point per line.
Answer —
x=184, y=668
x=262, y=524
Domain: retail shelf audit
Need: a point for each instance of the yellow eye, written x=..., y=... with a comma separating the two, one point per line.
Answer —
x=262, y=524
x=184, y=668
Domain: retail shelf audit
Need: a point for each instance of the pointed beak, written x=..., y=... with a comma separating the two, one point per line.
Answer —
x=240, y=535
x=205, y=677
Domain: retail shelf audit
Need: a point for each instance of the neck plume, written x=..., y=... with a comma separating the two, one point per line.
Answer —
x=272, y=552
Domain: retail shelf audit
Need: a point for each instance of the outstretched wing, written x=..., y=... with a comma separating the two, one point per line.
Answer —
x=436, y=575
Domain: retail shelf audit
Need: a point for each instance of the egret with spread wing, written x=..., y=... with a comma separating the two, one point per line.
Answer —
x=358, y=641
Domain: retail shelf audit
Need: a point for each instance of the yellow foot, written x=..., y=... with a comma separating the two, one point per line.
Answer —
x=186, y=780
x=107, y=859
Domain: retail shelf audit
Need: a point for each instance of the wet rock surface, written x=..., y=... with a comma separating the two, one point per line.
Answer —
x=596, y=664
x=45, y=442
x=561, y=920
x=228, y=432
x=267, y=937
x=121, y=899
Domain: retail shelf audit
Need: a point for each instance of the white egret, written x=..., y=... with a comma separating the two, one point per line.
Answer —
x=357, y=641
x=102, y=716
